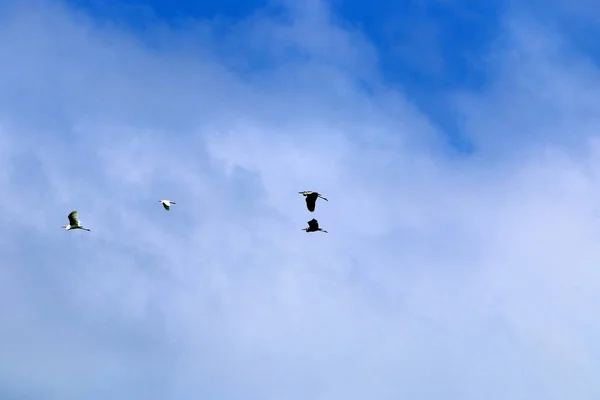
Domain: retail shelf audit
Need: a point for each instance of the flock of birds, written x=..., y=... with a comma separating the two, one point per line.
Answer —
x=310, y=197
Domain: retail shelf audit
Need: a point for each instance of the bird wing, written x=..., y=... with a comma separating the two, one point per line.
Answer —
x=313, y=224
x=310, y=203
x=166, y=205
x=74, y=218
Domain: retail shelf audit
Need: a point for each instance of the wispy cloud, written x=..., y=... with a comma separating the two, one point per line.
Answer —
x=443, y=275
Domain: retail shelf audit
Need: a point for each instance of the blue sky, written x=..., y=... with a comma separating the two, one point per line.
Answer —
x=429, y=49
x=445, y=273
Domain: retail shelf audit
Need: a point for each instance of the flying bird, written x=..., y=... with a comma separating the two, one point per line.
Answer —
x=311, y=199
x=74, y=222
x=167, y=204
x=313, y=226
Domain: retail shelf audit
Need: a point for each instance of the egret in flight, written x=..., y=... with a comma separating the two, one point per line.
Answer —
x=167, y=204
x=74, y=222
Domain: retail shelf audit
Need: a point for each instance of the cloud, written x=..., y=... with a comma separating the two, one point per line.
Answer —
x=443, y=275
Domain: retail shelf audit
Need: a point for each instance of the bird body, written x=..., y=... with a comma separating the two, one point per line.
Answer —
x=311, y=199
x=313, y=226
x=74, y=222
x=167, y=204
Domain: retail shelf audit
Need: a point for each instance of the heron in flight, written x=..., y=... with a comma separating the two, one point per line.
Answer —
x=311, y=199
x=74, y=222
x=167, y=204
x=313, y=226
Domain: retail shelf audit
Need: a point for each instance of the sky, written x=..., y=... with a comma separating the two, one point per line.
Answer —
x=457, y=144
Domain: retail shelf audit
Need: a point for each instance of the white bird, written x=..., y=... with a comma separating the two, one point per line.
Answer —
x=167, y=204
x=74, y=222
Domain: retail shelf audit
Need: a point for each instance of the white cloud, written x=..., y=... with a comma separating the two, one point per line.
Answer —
x=473, y=277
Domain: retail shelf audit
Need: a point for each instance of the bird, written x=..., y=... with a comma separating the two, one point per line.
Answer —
x=74, y=222
x=313, y=226
x=167, y=204
x=311, y=199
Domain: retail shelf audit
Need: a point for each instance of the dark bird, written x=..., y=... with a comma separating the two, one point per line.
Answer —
x=311, y=199
x=313, y=226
